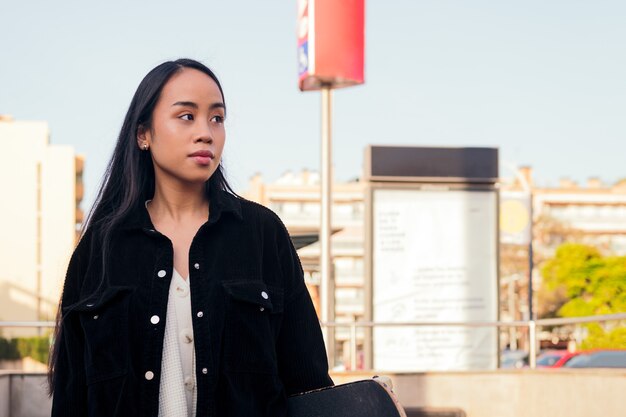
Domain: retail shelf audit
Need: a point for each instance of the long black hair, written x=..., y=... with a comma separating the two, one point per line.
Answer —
x=129, y=177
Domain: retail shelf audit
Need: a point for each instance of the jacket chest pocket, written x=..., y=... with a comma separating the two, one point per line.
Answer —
x=252, y=321
x=104, y=320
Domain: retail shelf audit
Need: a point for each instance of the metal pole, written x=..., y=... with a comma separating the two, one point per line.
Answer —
x=39, y=330
x=39, y=240
x=530, y=260
x=532, y=351
x=325, y=232
x=353, y=348
x=512, y=330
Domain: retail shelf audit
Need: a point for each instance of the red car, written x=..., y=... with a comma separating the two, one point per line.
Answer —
x=599, y=358
x=549, y=358
x=594, y=358
x=566, y=357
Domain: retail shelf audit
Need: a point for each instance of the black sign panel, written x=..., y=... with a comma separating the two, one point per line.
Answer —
x=402, y=163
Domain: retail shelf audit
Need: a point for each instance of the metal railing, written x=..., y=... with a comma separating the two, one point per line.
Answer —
x=35, y=324
x=532, y=325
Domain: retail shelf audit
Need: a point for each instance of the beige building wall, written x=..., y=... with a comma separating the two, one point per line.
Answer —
x=37, y=221
x=58, y=214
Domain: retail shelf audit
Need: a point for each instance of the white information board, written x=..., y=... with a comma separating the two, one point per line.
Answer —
x=434, y=260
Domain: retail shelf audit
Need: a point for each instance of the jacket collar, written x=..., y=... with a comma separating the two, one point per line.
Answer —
x=222, y=201
x=219, y=202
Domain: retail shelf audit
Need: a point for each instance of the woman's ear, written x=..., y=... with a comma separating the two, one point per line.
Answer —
x=143, y=140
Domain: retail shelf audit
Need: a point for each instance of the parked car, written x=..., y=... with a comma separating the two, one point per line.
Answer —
x=515, y=359
x=613, y=358
x=549, y=358
x=568, y=356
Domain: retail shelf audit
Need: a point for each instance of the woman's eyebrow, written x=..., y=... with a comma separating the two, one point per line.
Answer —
x=185, y=104
x=193, y=105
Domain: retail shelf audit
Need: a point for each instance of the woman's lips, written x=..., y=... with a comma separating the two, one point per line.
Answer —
x=202, y=160
x=202, y=157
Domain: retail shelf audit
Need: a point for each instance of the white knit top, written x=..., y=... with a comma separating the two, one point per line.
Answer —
x=177, y=392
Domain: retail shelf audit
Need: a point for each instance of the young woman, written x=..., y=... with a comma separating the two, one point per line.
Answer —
x=181, y=299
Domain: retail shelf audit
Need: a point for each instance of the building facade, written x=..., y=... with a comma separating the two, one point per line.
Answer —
x=41, y=188
x=594, y=213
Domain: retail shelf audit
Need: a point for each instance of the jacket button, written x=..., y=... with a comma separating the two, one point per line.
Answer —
x=205, y=371
x=200, y=314
x=189, y=383
x=182, y=291
x=155, y=319
x=162, y=273
x=96, y=317
x=196, y=265
x=186, y=336
x=149, y=375
x=261, y=308
x=264, y=295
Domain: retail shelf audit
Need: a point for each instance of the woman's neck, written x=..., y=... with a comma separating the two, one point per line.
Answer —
x=178, y=204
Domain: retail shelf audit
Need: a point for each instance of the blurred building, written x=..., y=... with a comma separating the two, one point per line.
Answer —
x=594, y=214
x=295, y=197
x=41, y=188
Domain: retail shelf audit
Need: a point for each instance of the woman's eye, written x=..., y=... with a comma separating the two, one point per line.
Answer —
x=217, y=119
x=187, y=116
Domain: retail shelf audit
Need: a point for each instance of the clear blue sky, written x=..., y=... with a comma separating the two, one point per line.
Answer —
x=545, y=81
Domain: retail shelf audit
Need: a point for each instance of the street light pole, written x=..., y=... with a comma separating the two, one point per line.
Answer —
x=326, y=287
x=331, y=40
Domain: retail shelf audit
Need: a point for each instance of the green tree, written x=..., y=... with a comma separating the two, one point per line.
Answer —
x=592, y=285
x=35, y=347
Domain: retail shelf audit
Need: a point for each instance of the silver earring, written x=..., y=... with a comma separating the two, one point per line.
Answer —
x=145, y=146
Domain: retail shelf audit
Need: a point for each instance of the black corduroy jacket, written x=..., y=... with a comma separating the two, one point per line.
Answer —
x=257, y=337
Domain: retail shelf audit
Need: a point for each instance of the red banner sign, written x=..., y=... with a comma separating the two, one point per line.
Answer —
x=330, y=43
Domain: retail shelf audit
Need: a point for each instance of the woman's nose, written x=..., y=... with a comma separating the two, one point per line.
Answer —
x=204, y=133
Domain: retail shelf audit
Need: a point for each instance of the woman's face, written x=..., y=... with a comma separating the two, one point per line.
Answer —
x=187, y=136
